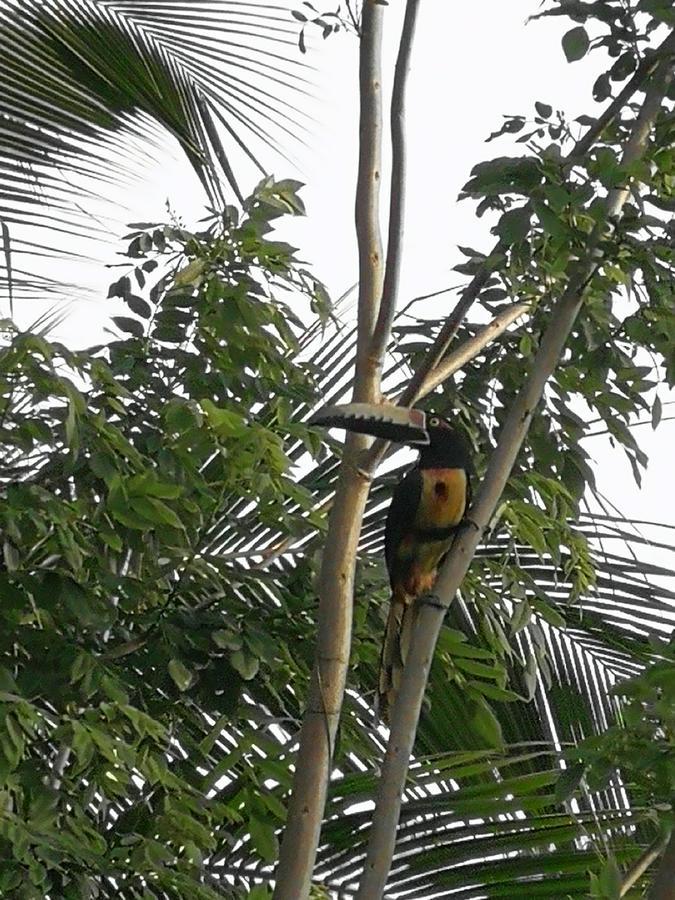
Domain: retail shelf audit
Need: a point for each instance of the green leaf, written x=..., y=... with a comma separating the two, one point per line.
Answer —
x=244, y=663
x=522, y=614
x=514, y=225
x=129, y=326
x=569, y=781
x=575, y=43
x=264, y=839
x=120, y=288
x=493, y=691
x=224, y=421
x=610, y=879
x=486, y=724
x=477, y=668
x=180, y=674
x=155, y=511
x=549, y=220
x=259, y=892
x=139, y=306
x=657, y=412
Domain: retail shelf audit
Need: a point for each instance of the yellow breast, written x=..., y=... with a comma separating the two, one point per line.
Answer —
x=443, y=499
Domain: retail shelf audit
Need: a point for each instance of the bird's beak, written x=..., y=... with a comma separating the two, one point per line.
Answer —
x=383, y=420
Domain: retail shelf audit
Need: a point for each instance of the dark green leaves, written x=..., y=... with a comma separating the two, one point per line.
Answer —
x=129, y=325
x=575, y=43
x=504, y=175
x=514, y=225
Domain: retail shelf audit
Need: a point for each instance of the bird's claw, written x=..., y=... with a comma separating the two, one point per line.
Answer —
x=484, y=530
x=433, y=600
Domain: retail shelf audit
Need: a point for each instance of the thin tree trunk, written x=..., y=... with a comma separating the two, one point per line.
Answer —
x=406, y=710
x=336, y=592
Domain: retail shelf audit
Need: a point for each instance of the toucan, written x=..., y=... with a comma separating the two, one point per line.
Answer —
x=427, y=508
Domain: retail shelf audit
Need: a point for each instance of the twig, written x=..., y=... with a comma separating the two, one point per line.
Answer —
x=405, y=714
x=397, y=188
x=440, y=346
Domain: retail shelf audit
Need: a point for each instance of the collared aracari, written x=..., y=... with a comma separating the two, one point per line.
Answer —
x=427, y=508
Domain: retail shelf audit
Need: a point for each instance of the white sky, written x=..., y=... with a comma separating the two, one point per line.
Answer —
x=472, y=63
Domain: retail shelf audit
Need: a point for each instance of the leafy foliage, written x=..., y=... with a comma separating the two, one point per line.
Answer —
x=125, y=632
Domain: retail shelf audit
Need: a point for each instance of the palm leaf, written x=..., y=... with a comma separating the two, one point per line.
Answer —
x=94, y=90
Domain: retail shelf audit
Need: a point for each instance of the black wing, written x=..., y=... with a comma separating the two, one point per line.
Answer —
x=404, y=503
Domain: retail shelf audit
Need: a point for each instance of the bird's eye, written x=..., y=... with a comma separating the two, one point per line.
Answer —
x=434, y=421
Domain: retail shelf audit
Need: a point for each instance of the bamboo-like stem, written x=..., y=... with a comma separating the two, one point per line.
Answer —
x=405, y=714
x=664, y=883
x=397, y=188
x=641, y=865
x=336, y=589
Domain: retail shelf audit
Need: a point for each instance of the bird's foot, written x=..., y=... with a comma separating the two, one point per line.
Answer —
x=432, y=600
x=483, y=530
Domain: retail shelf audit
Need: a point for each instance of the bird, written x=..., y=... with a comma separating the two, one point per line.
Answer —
x=427, y=508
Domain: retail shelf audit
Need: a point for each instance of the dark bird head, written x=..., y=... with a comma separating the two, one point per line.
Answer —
x=447, y=448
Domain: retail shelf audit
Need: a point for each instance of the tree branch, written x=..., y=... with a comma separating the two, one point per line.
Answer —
x=472, y=347
x=405, y=714
x=397, y=188
x=664, y=883
x=367, y=208
x=336, y=591
x=640, y=866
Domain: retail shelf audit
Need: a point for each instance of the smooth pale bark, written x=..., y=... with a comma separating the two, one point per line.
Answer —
x=336, y=590
x=397, y=189
x=405, y=714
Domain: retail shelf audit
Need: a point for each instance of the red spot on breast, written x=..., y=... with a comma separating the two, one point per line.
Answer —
x=441, y=490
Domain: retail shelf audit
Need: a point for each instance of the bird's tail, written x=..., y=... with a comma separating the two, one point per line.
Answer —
x=395, y=647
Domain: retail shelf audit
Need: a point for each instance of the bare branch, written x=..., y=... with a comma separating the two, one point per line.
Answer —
x=396, y=190
x=449, y=330
x=472, y=347
x=336, y=592
x=405, y=714
x=367, y=209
